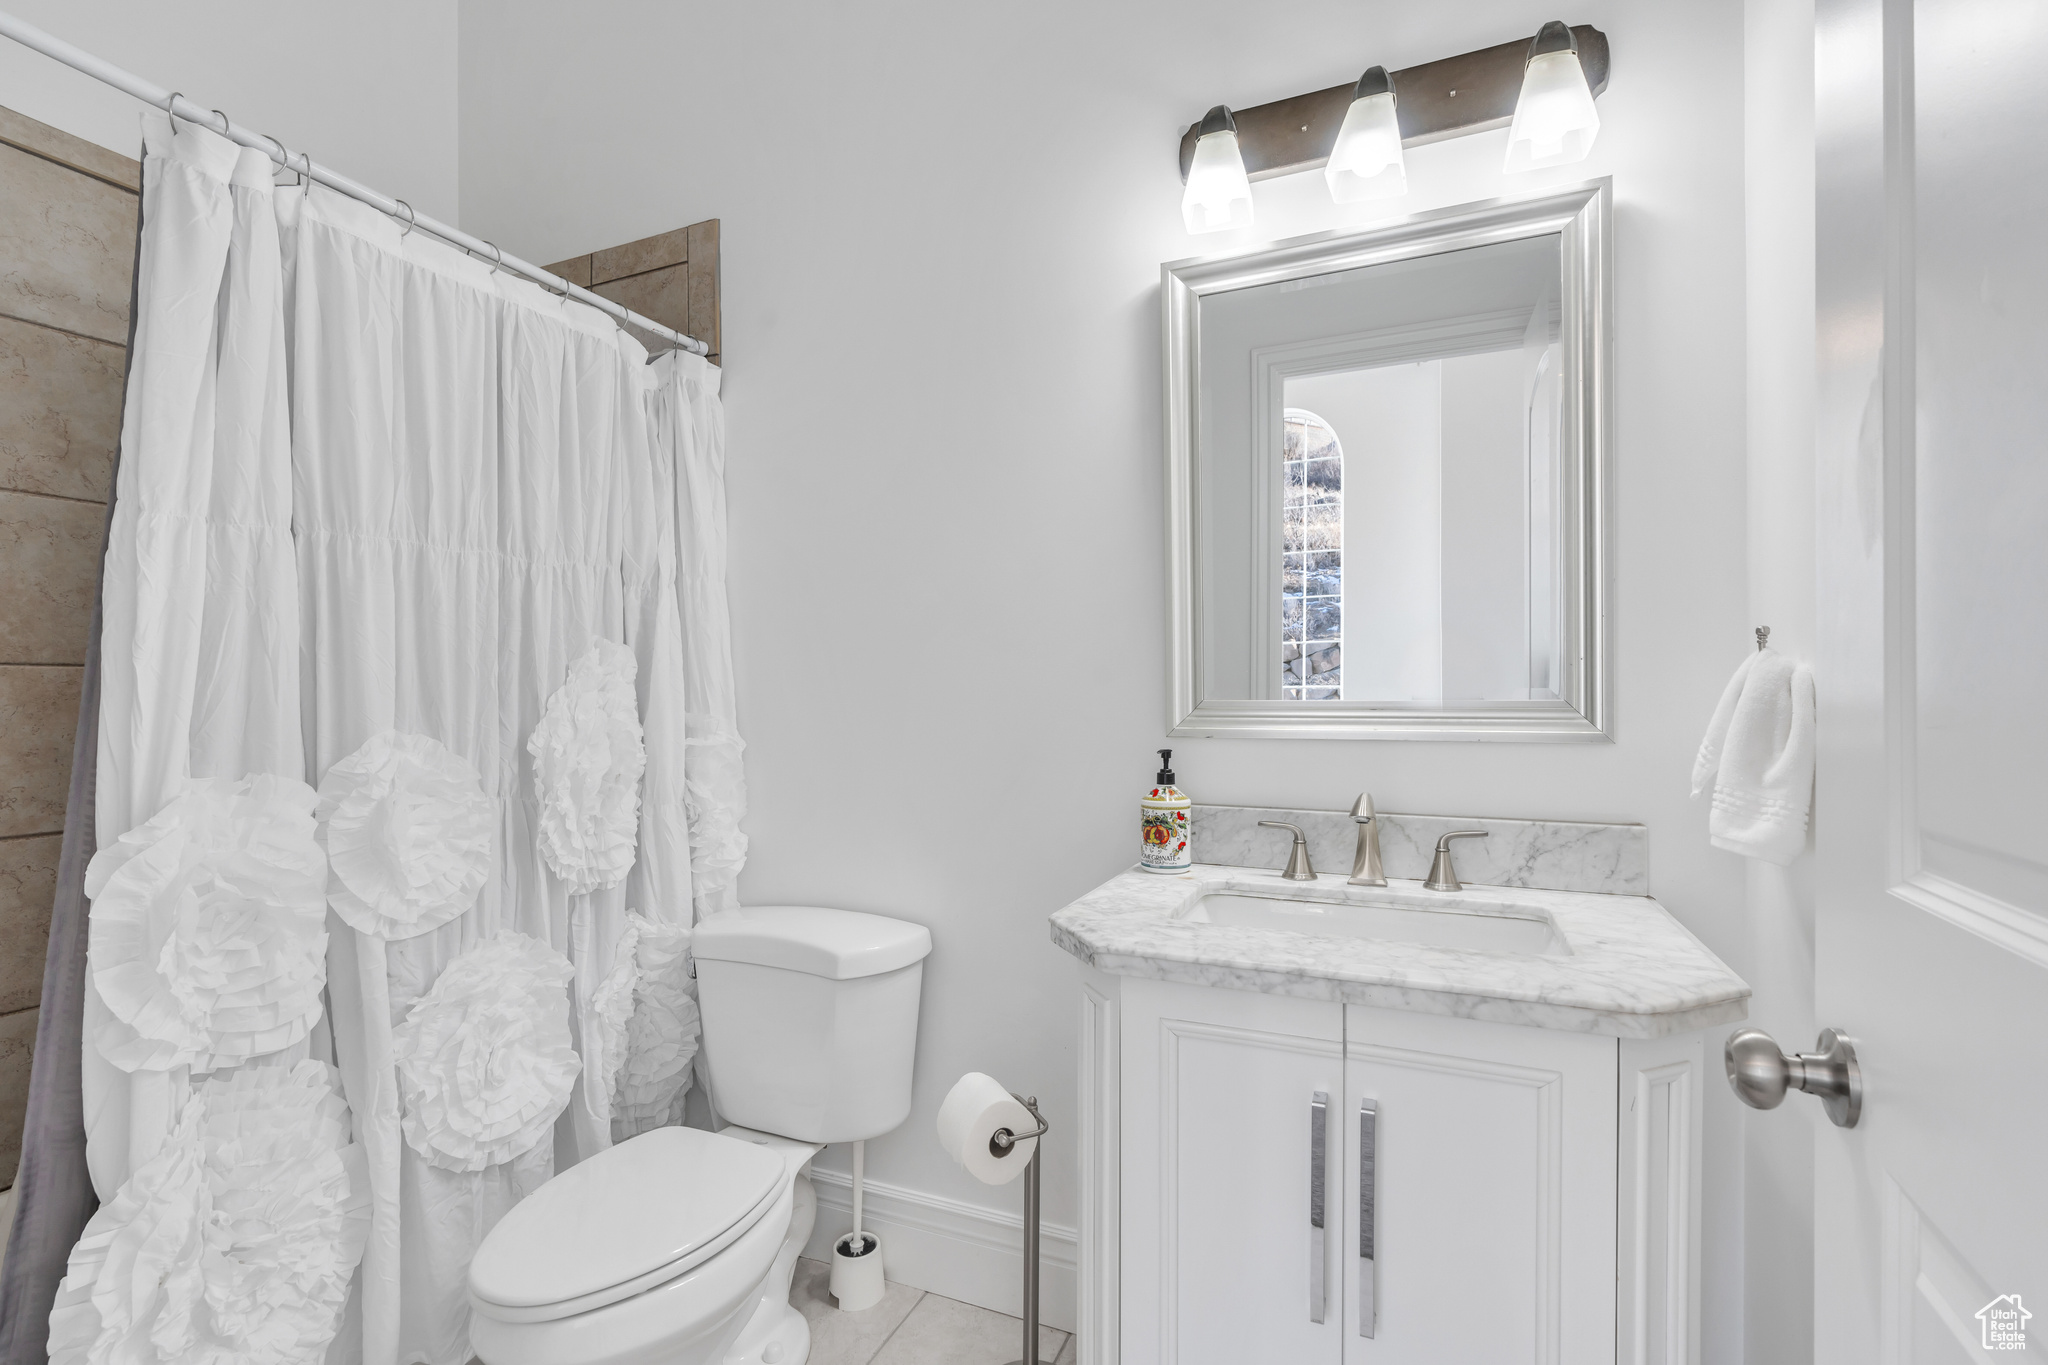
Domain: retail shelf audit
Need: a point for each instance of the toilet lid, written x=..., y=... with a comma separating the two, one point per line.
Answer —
x=668, y=1198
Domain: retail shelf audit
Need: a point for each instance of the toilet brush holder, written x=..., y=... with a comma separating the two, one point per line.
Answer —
x=857, y=1257
x=857, y=1271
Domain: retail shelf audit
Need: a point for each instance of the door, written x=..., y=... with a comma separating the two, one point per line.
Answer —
x=1479, y=1167
x=1220, y=1263
x=1931, y=818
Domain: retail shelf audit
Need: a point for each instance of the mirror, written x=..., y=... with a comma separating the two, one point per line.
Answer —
x=1386, y=479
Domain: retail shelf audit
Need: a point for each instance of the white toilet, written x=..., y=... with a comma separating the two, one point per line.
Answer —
x=677, y=1246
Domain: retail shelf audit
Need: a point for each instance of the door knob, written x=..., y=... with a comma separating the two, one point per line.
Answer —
x=1760, y=1073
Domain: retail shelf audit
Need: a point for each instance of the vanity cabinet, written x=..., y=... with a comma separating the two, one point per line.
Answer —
x=1525, y=1194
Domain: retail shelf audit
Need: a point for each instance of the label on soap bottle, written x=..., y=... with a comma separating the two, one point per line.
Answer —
x=1166, y=846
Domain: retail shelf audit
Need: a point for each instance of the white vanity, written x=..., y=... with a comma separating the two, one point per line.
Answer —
x=1324, y=1123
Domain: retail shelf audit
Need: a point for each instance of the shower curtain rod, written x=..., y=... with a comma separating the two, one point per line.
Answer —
x=176, y=105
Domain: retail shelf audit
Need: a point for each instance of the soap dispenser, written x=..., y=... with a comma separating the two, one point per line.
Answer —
x=1167, y=845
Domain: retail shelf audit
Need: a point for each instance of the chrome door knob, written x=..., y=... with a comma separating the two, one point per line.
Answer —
x=1760, y=1073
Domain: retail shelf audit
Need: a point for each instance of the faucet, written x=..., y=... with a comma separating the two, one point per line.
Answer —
x=1442, y=876
x=1298, y=869
x=1365, y=863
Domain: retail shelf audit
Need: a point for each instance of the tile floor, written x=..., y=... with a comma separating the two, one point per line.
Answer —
x=911, y=1327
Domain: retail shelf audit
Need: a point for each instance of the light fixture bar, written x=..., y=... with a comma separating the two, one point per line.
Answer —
x=1468, y=93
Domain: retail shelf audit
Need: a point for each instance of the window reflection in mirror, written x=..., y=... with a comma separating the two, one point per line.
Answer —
x=1312, y=559
x=1399, y=425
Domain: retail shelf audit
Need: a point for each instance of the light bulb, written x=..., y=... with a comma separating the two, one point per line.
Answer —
x=1366, y=162
x=1555, y=121
x=1218, y=195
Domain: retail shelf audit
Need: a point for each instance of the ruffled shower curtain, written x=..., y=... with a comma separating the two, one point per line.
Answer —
x=689, y=428
x=436, y=572
x=478, y=504
x=199, y=641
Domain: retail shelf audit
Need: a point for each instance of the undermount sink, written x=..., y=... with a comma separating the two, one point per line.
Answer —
x=1384, y=921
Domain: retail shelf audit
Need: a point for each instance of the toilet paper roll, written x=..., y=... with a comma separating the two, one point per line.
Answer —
x=974, y=1109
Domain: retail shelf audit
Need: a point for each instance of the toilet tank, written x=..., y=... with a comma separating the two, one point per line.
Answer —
x=810, y=1018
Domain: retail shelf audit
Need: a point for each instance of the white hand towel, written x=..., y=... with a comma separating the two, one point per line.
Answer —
x=1758, y=754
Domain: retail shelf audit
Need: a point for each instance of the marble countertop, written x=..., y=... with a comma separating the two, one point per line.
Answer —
x=1632, y=971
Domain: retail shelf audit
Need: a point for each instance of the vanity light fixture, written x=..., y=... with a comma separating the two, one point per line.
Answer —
x=1542, y=91
x=1555, y=122
x=1366, y=162
x=1218, y=195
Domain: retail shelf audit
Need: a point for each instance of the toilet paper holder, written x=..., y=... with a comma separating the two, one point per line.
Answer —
x=1002, y=1140
x=1000, y=1143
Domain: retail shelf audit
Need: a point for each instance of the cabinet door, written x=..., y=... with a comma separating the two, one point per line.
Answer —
x=1219, y=1247
x=1487, y=1205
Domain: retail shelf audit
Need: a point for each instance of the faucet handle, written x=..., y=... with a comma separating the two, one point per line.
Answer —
x=1298, y=868
x=1442, y=876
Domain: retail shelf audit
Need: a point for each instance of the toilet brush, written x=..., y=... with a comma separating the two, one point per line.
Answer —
x=857, y=1257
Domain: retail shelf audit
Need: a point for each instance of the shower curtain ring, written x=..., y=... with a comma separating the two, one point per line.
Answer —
x=306, y=178
x=497, y=256
x=171, y=108
x=225, y=123
x=284, y=154
x=410, y=218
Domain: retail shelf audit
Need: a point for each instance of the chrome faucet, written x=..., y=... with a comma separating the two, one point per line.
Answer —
x=1298, y=868
x=1365, y=863
x=1442, y=876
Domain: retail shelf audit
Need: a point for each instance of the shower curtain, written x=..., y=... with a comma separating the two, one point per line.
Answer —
x=198, y=646
x=473, y=543
x=689, y=427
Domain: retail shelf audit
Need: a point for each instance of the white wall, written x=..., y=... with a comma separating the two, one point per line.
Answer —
x=367, y=87
x=942, y=231
x=1486, y=526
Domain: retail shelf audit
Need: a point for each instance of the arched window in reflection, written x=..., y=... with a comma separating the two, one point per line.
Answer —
x=1311, y=559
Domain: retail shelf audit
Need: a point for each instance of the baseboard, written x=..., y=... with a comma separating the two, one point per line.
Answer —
x=950, y=1247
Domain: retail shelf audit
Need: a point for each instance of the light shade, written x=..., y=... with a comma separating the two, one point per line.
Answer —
x=1218, y=195
x=1555, y=121
x=1366, y=162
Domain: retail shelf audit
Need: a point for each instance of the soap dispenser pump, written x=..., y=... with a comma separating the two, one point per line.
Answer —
x=1168, y=845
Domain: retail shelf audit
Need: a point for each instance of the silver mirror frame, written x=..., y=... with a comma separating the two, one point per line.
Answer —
x=1579, y=216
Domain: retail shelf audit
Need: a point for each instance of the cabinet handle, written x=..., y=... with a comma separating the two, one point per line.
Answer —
x=1368, y=1171
x=1318, y=1143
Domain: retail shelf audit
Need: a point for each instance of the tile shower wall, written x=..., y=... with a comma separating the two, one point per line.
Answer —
x=671, y=277
x=67, y=244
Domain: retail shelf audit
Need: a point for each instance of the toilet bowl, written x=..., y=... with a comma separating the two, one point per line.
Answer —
x=671, y=1247
x=676, y=1247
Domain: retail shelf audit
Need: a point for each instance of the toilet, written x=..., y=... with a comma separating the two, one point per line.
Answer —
x=677, y=1246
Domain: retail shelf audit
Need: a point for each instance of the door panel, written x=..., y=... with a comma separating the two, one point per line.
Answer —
x=1980, y=417
x=1218, y=1236
x=1931, y=935
x=1494, y=1192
